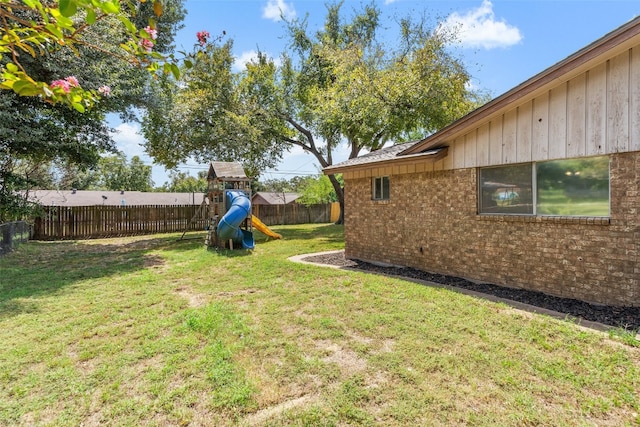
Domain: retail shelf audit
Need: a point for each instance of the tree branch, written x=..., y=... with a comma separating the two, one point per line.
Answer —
x=298, y=143
x=303, y=131
x=309, y=149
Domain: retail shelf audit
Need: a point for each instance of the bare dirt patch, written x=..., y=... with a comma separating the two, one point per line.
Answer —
x=238, y=293
x=86, y=367
x=360, y=339
x=193, y=298
x=273, y=411
x=347, y=360
x=153, y=262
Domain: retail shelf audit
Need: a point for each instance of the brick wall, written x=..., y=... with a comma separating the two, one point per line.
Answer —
x=430, y=223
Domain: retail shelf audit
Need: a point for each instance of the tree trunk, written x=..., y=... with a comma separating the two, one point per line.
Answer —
x=340, y=193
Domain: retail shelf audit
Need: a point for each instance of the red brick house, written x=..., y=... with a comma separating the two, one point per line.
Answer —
x=537, y=189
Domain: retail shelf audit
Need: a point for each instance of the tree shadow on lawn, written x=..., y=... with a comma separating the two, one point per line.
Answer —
x=329, y=233
x=42, y=268
x=230, y=253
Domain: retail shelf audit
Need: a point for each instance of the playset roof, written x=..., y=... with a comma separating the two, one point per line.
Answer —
x=226, y=170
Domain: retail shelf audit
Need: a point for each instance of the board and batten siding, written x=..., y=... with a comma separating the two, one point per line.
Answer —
x=594, y=113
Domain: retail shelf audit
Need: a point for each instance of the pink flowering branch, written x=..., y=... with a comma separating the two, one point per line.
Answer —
x=57, y=24
x=203, y=37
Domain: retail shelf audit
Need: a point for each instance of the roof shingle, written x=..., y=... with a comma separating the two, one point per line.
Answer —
x=226, y=170
x=387, y=153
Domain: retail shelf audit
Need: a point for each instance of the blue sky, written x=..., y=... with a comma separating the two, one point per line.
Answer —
x=502, y=43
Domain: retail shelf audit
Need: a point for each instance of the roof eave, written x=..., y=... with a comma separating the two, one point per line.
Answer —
x=432, y=155
x=620, y=38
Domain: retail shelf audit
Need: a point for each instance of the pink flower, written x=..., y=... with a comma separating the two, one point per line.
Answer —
x=105, y=90
x=62, y=84
x=66, y=84
x=146, y=44
x=202, y=37
x=73, y=82
x=153, y=33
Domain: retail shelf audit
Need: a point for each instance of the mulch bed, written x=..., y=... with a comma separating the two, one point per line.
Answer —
x=627, y=318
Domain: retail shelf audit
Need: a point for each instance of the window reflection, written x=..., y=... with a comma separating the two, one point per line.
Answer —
x=576, y=187
x=506, y=190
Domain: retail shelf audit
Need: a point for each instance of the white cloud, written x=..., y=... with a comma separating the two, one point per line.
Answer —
x=480, y=28
x=129, y=140
x=389, y=1
x=241, y=61
x=274, y=9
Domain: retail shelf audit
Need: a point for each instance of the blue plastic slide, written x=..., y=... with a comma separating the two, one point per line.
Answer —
x=238, y=209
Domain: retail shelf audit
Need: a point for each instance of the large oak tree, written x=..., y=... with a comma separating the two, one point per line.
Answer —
x=348, y=83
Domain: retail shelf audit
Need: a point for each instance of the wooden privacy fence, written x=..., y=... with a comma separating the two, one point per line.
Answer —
x=293, y=214
x=83, y=222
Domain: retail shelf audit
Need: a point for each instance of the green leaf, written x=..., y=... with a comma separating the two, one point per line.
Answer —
x=175, y=71
x=110, y=7
x=91, y=16
x=188, y=63
x=127, y=23
x=29, y=3
x=7, y=84
x=12, y=68
x=78, y=107
x=54, y=30
x=64, y=22
x=68, y=8
x=25, y=88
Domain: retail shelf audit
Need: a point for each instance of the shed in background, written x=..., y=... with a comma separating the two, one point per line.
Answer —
x=268, y=198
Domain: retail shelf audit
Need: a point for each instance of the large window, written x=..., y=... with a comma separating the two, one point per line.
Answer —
x=380, y=188
x=506, y=190
x=576, y=187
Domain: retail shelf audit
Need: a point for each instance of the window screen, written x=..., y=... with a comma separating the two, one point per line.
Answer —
x=506, y=189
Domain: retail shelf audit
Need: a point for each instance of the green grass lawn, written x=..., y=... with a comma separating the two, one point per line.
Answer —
x=556, y=202
x=154, y=331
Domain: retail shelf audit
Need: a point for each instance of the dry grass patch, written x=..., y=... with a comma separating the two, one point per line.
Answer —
x=266, y=414
x=194, y=299
x=347, y=360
